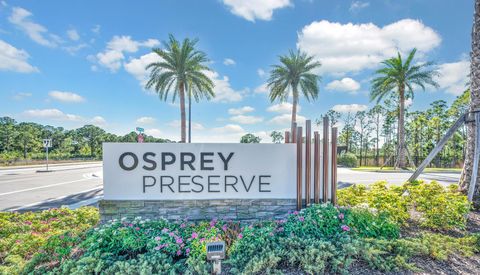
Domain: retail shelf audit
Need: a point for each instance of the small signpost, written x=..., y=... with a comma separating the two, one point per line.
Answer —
x=47, y=143
x=140, y=131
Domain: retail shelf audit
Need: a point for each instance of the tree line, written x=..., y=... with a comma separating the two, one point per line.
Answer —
x=23, y=141
x=372, y=135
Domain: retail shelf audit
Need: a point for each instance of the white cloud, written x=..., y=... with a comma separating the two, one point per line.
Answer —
x=262, y=89
x=358, y=5
x=74, y=49
x=53, y=114
x=346, y=84
x=229, y=129
x=113, y=55
x=136, y=66
x=73, y=35
x=99, y=121
x=195, y=125
x=286, y=119
x=243, y=119
x=408, y=102
x=229, y=61
x=154, y=132
x=13, y=59
x=21, y=96
x=223, y=91
x=146, y=120
x=284, y=107
x=261, y=73
x=241, y=110
x=66, y=96
x=349, y=108
x=96, y=29
x=20, y=17
x=252, y=9
x=351, y=47
x=454, y=76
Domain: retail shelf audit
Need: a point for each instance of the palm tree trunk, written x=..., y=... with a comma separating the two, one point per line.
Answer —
x=183, y=125
x=402, y=161
x=189, y=116
x=294, y=107
x=474, y=106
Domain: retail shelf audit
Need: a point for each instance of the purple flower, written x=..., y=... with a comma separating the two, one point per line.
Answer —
x=157, y=238
x=224, y=227
x=240, y=236
x=345, y=227
x=341, y=216
x=202, y=240
x=301, y=219
x=182, y=225
x=165, y=230
x=213, y=222
x=171, y=234
x=194, y=235
x=187, y=250
x=179, y=252
x=179, y=240
x=295, y=212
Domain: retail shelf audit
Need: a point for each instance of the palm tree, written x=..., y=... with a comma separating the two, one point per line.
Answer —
x=467, y=172
x=294, y=74
x=400, y=77
x=181, y=68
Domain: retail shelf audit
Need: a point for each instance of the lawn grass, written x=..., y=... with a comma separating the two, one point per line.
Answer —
x=391, y=169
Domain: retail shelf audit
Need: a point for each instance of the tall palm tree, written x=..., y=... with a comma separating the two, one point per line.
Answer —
x=467, y=172
x=181, y=68
x=295, y=75
x=400, y=77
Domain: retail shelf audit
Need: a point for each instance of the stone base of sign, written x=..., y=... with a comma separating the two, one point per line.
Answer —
x=226, y=209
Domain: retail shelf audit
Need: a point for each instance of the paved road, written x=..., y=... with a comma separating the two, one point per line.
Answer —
x=348, y=177
x=23, y=189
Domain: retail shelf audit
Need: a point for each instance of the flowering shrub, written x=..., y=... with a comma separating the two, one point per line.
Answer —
x=52, y=232
x=439, y=207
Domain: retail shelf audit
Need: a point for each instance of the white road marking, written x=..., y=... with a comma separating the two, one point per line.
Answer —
x=42, y=187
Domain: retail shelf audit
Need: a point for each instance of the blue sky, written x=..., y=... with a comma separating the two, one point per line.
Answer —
x=69, y=63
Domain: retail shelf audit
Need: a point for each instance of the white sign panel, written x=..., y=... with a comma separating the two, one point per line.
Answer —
x=47, y=143
x=180, y=171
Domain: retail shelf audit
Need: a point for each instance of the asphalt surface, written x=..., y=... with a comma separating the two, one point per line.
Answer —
x=27, y=189
x=30, y=188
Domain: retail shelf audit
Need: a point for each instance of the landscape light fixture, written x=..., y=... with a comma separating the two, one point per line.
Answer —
x=216, y=253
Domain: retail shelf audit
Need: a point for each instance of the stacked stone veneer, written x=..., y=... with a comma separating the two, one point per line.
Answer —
x=226, y=209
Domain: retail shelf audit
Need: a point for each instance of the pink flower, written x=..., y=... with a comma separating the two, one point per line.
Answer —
x=301, y=219
x=295, y=212
x=182, y=225
x=171, y=234
x=137, y=228
x=157, y=238
x=131, y=225
x=61, y=237
x=179, y=240
x=202, y=240
x=187, y=250
x=28, y=222
x=165, y=230
x=341, y=216
x=345, y=227
x=240, y=236
x=213, y=222
x=157, y=248
x=224, y=227
x=179, y=252
x=194, y=235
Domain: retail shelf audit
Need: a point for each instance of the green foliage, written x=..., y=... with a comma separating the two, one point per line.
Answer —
x=250, y=138
x=348, y=160
x=439, y=207
x=47, y=235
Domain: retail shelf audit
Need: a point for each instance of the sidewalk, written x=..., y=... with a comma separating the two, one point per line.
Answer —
x=50, y=165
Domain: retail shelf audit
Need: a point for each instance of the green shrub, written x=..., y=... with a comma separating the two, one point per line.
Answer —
x=439, y=207
x=348, y=160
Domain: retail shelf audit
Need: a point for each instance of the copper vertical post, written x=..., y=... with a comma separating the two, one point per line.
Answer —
x=325, y=159
x=308, y=161
x=299, y=167
x=334, y=165
x=287, y=137
x=294, y=132
x=316, y=167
